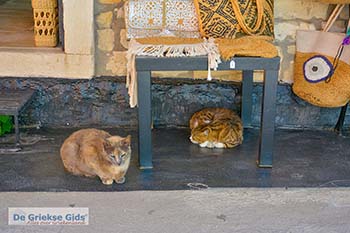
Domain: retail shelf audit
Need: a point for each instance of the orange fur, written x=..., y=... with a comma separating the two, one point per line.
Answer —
x=216, y=127
x=92, y=152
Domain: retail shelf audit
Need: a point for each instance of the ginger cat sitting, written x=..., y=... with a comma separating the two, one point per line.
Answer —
x=93, y=152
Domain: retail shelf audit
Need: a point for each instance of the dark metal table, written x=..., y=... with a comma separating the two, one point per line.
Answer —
x=11, y=103
x=270, y=66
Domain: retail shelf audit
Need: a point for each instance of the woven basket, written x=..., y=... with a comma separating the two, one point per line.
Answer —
x=336, y=93
x=45, y=14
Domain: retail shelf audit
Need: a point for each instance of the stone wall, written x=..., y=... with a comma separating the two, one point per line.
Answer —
x=103, y=102
x=289, y=16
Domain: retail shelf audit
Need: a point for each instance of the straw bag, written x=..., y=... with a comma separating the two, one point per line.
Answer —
x=322, y=67
x=152, y=18
x=235, y=18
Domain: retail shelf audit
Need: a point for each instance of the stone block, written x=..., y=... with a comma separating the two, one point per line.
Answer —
x=288, y=73
x=105, y=40
x=123, y=40
x=291, y=49
x=104, y=20
x=299, y=9
x=117, y=63
x=286, y=30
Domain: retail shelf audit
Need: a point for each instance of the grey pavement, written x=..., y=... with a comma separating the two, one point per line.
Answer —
x=213, y=210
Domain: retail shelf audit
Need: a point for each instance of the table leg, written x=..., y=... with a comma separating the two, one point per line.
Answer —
x=247, y=91
x=267, y=128
x=16, y=130
x=145, y=117
x=339, y=126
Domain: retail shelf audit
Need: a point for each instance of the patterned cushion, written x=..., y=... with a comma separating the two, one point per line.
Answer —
x=218, y=18
x=149, y=18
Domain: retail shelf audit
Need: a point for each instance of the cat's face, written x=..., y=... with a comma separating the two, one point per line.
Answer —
x=205, y=138
x=118, y=149
x=199, y=136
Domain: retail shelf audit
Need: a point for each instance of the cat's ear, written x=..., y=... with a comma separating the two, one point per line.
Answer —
x=194, y=123
x=126, y=141
x=107, y=147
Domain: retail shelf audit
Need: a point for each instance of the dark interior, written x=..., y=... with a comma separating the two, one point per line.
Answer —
x=16, y=23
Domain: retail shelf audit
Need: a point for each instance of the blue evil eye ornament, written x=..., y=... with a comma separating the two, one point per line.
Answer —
x=317, y=69
x=346, y=41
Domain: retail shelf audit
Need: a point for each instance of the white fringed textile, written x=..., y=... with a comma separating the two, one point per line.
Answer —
x=205, y=48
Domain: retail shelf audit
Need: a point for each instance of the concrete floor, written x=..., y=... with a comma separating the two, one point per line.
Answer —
x=324, y=210
x=302, y=159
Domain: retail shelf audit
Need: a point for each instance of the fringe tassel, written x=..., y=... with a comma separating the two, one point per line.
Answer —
x=195, y=47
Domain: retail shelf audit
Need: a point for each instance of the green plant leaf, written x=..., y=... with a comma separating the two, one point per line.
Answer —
x=4, y=118
x=6, y=124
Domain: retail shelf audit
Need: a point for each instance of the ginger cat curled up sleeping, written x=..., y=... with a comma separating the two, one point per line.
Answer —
x=93, y=152
x=216, y=127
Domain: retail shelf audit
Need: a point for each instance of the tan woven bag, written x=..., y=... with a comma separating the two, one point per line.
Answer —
x=235, y=18
x=322, y=66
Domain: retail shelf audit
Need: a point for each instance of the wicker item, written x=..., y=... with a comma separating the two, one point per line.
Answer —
x=317, y=50
x=322, y=65
x=45, y=14
x=235, y=18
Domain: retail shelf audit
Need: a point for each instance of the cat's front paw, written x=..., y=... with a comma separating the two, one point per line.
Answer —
x=107, y=181
x=121, y=180
x=204, y=144
x=219, y=145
